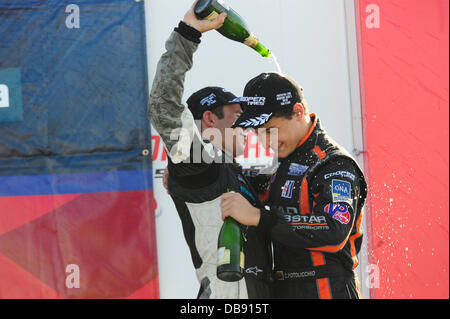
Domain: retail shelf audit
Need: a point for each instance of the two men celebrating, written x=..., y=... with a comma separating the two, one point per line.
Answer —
x=309, y=210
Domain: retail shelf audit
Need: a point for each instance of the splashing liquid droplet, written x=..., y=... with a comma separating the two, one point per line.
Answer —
x=275, y=60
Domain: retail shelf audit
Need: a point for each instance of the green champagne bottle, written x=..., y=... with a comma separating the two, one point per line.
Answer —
x=230, y=254
x=234, y=27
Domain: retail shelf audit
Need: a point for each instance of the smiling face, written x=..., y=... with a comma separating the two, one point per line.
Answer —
x=231, y=113
x=233, y=140
x=218, y=129
x=283, y=134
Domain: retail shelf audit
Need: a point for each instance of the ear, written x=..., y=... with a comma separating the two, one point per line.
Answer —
x=298, y=110
x=209, y=119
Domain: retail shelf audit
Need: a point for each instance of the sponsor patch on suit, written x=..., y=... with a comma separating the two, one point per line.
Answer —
x=341, y=191
x=339, y=212
x=296, y=169
x=288, y=189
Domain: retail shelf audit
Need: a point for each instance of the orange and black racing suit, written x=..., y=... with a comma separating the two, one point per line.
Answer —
x=315, y=199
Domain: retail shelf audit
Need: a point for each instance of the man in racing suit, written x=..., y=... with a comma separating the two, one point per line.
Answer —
x=314, y=200
x=200, y=172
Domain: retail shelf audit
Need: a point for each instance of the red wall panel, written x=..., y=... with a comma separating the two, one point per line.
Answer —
x=404, y=76
x=109, y=237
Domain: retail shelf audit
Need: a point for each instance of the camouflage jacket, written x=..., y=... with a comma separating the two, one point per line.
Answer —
x=173, y=121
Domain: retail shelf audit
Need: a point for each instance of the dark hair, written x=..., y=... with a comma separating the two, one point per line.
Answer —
x=218, y=111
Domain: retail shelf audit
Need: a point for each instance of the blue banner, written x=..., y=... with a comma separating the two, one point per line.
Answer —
x=73, y=87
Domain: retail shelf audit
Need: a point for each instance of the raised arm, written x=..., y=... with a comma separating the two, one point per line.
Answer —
x=168, y=115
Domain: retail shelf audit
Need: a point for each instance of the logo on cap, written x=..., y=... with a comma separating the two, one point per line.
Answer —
x=208, y=100
x=254, y=100
x=284, y=98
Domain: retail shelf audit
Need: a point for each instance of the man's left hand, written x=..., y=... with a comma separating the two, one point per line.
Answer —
x=236, y=206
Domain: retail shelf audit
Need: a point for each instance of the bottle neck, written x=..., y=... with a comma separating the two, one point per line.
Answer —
x=261, y=49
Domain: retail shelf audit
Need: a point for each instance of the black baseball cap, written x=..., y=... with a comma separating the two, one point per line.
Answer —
x=265, y=96
x=208, y=99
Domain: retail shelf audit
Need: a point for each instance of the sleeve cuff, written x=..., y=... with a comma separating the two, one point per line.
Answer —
x=266, y=221
x=188, y=32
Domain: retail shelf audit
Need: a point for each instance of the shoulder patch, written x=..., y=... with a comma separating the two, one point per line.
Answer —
x=341, y=191
x=339, y=212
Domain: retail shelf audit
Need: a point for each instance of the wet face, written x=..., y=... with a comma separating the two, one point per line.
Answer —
x=281, y=134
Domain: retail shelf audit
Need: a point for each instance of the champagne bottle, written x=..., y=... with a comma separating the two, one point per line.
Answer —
x=230, y=254
x=234, y=27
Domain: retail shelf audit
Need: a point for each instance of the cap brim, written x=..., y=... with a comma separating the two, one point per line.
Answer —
x=237, y=100
x=252, y=120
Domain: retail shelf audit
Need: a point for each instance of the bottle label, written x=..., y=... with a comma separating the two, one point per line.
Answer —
x=242, y=260
x=223, y=256
x=212, y=16
x=251, y=41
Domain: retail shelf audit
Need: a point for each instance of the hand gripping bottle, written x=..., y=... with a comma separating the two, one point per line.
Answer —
x=230, y=254
x=234, y=27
